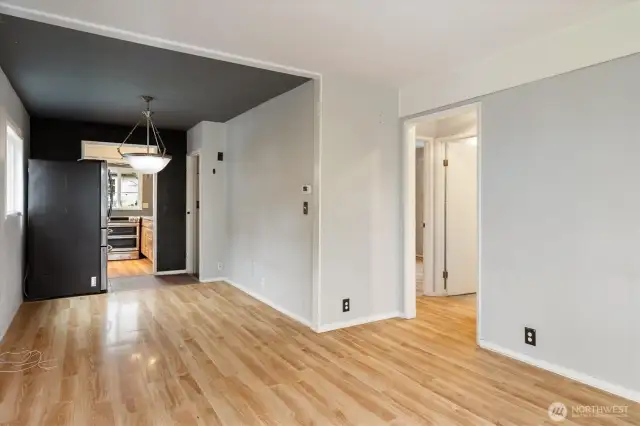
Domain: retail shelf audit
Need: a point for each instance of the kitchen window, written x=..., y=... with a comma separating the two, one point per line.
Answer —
x=14, y=179
x=125, y=188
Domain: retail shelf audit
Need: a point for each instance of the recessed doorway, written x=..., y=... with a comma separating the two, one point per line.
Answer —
x=193, y=214
x=441, y=202
x=131, y=219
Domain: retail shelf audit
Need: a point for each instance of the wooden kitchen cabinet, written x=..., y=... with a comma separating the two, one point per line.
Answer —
x=146, y=238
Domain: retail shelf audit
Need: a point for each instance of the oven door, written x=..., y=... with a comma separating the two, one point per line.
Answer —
x=124, y=243
x=122, y=230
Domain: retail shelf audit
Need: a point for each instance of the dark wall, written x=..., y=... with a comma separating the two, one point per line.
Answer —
x=62, y=140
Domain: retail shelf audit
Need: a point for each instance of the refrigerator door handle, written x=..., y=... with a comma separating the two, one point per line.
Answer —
x=105, y=208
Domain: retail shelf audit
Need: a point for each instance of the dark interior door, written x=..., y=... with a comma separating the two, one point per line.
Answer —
x=63, y=229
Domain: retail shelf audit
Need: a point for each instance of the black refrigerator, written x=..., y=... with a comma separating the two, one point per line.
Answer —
x=66, y=228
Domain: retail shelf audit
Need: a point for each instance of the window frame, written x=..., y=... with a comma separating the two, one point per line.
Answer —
x=118, y=187
x=14, y=170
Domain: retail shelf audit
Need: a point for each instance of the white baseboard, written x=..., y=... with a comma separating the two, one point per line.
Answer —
x=562, y=371
x=212, y=280
x=266, y=301
x=435, y=294
x=181, y=271
x=358, y=321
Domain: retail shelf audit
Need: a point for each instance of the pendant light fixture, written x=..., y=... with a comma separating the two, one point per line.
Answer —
x=147, y=162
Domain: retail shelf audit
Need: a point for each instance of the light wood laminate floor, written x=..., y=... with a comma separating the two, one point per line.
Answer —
x=208, y=354
x=129, y=268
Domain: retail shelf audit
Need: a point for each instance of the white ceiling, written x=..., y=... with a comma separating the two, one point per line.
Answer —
x=386, y=41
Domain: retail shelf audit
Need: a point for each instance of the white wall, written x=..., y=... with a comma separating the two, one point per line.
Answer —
x=270, y=157
x=608, y=36
x=560, y=227
x=208, y=138
x=361, y=223
x=11, y=228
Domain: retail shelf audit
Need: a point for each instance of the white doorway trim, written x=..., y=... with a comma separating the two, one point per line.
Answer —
x=409, y=206
x=409, y=218
x=192, y=210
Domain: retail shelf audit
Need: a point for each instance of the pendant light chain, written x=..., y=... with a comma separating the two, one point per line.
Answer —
x=148, y=162
x=158, y=138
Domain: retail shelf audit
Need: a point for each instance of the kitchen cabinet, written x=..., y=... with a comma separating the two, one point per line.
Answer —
x=146, y=239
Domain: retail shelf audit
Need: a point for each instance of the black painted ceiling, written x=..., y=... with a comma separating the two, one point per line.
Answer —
x=69, y=74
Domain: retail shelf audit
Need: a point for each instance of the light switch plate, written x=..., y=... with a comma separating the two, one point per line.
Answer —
x=145, y=205
x=306, y=189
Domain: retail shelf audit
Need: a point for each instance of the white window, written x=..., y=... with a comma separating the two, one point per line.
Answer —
x=14, y=203
x=125, y=188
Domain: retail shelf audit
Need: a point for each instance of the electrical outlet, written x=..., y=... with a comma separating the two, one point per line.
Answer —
x=145, y=205
x=262, y=283
x=220, y=266
x=94, y=281
x=346, y=305
x=530, y=336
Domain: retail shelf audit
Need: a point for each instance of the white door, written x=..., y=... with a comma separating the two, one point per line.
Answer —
x=461, y=217
x=428, y=224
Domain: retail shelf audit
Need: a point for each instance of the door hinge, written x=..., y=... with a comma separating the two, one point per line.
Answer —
x=445, y=162
x=445, y=274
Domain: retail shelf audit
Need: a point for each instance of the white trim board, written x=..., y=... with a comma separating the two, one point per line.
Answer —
x=358, y=321
x=562, y=371
x=213, y=280
x=180, y=271
x=268, y=302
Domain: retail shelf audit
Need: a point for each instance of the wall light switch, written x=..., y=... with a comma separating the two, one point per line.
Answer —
x=145, y=205
x=306, y=189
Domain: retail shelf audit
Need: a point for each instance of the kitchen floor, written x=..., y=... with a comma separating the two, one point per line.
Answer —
x=143, y=282
x=129, y=268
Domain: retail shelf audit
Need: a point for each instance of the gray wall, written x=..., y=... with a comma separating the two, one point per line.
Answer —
x=270, y=158
x=361, y=220
x=560, y=220
x=12, y=229
x=419, y=199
